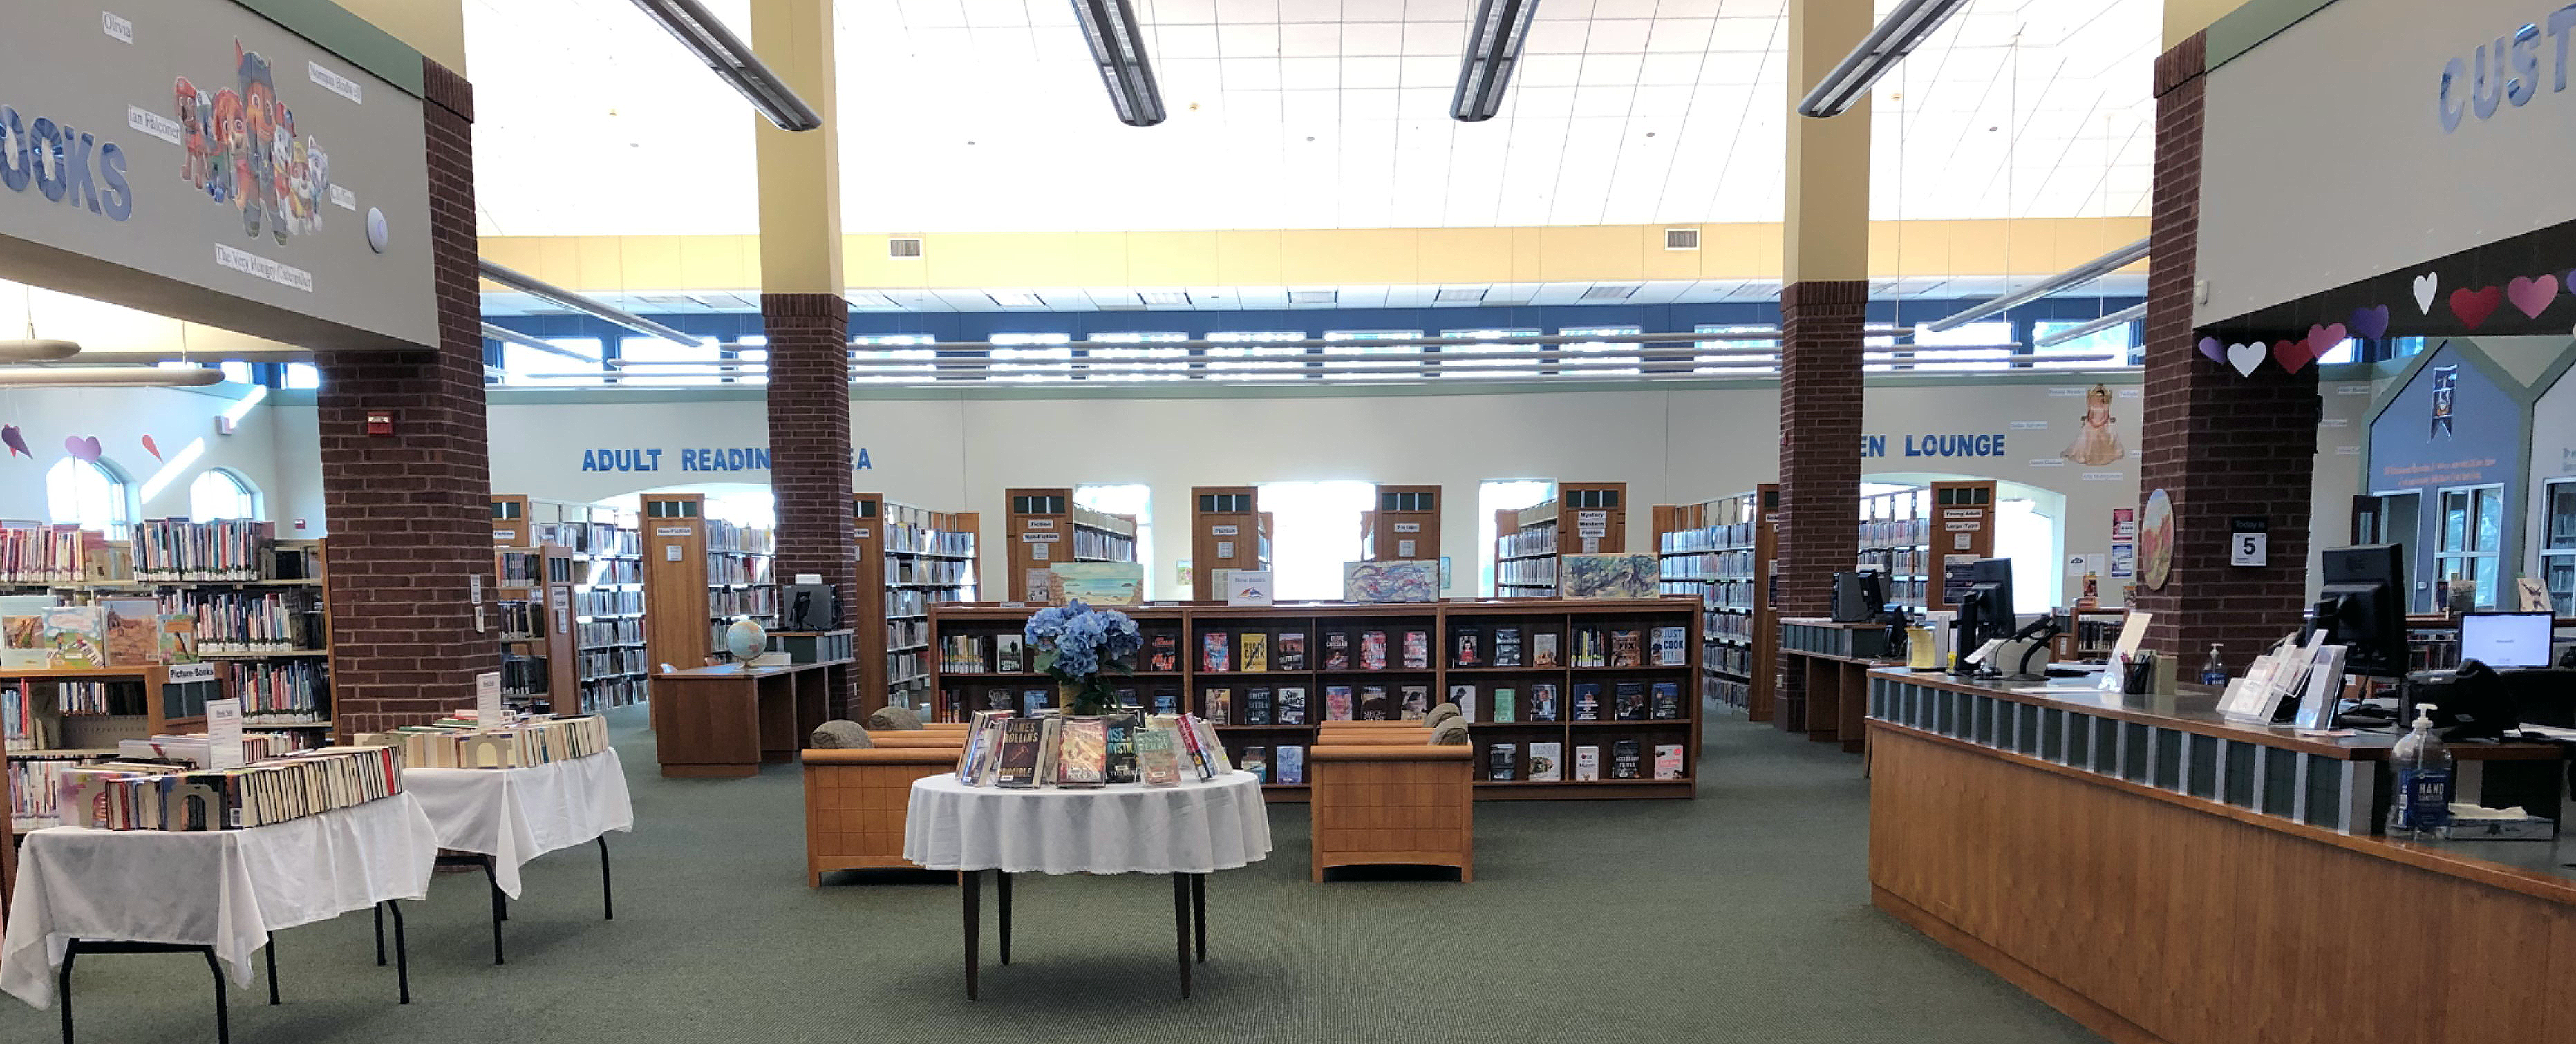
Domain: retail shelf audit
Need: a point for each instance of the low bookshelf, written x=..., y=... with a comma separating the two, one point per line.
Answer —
x=1248, y=668
x=1582, y=518
x=1721, y=551
x=921, y=558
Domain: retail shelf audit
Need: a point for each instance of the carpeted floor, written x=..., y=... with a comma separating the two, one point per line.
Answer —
x=1742, y=916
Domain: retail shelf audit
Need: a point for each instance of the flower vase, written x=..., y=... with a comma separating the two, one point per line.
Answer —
x=1089, y=697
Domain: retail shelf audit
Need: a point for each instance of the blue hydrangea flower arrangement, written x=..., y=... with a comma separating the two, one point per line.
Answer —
x=1081, y=647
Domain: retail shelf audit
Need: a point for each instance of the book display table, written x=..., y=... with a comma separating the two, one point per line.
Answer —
x=503, y=818
x=221, y=893
x=1187, y=831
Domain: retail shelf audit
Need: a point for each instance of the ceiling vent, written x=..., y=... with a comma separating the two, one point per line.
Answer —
x=900, y=246
x=1609, y=292
x=1681, y=239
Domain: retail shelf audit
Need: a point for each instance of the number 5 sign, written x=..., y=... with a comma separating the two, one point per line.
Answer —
x=2249, y=542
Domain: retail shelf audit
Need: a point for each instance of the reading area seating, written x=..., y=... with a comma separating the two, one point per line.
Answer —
x=1392, y=802
x=855, y=802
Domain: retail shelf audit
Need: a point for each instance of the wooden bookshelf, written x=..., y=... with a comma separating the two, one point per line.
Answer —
x=1963, y=530
x=910, y=559
x=145, y=704
x=1721, y=551
x=1403, y=526
x=1582, y=518
x=532, y=615
x=1044, y=527
x=1188, y=684
x=1228, y=530
x=700, y=574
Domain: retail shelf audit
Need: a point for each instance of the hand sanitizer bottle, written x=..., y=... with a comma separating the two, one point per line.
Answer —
x=2421, y=806
x=2213, y=671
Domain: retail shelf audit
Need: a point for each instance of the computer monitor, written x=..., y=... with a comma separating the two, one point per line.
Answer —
x=2361, y=606
x=1986, y=611
x=1859, y=596
x=2505, y=641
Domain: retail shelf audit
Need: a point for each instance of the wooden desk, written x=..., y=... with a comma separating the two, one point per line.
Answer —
x=726, y=721
x=2164, y=876
x=1817, y=660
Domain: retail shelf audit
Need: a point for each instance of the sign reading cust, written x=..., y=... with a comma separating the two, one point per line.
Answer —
x=200, y=161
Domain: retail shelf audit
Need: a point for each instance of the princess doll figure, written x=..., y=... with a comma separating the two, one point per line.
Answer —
x=2096, y=444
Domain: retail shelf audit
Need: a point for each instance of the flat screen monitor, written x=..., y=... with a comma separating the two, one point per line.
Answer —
x=1859, y=597
x=2506, y=640
x=1988, y=609
x=2361, y=606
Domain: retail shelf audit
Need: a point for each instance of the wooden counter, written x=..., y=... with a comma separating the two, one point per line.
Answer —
x=726, y=721
x=2175, y=878
x=1827, y=695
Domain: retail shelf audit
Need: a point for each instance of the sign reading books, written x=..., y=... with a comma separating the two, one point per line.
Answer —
x=1247, y=587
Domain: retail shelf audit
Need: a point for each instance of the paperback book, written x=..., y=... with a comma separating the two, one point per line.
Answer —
x=1256, y=705
x=1543, y=702
x=1546, y=762
x=1292, y=705
x=1627, y=648
x=1032, y=701
x=1623, y=759
x=1628, y=701
x=1337, y=650
x=1372, y=650
x=1256, y=760
x=1543, y=650
x=1467, y=648
x=1292, y=650
x=1502, y=762
x=1167, y=703
x=1082, y=752
x=1506, y=701
x=1288, y=765
x=1157, y=758
x=1417, y=650
x=1006, y=655
x=1587, y=701
x=1668, y=761
x=1217, y=705
x=1672, y=647
x=1163, y=653
x=1373, y=703
x=1214, y=654
x=1507, y=647
x=1256, y=651
x=1417, y=701
x=1017, y=765
x=1122, y=747
x=1464, y=697
x=1337, y=703
x=1587, y=764
x=1667, y=702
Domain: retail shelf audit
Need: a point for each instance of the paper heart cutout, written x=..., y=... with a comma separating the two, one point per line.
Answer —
x=2371, y=323
x=148, y=447
x=16, y=440
x=2571, y=281
x=2474, y=306
x=2531, y=294
x=2210, y=347
x=2426, y=286
x=2292, y=355
x=81, y=447
x=2322, y=339
x=2245, y=357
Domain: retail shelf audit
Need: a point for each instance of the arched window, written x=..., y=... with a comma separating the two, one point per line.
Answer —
x=218, y=493
x=90, y=493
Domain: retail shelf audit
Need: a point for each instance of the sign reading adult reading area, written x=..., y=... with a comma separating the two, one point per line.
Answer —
x=209, y=164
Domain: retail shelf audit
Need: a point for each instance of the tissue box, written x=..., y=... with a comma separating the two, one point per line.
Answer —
x=2527, y=828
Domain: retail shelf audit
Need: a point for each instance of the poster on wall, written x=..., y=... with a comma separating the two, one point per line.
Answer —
x=2156, y=539
x=2097, y=443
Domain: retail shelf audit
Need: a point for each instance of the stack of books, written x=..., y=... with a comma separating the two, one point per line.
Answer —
x=1006, y=750
x=141, y=795
x=466, y=743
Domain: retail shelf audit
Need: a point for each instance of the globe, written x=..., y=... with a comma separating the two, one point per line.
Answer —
x=746, y=640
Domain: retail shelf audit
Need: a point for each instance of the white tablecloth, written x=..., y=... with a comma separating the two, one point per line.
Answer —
x=515, y=815
x=1193, y=828
x=222, y=888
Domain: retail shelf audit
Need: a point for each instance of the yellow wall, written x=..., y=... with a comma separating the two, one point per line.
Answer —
x=2185, y=17
x=1599, y=253
x=435, y=28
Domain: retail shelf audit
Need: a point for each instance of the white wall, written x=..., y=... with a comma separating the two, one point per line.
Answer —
x=119, y=418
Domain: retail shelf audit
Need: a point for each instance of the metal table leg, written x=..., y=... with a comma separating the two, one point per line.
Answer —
x=223, y=1013
x=1002, y=879
x=1181, y=926
x=971, y=885
x=63, y=987
x=74, y=948
x=402, y=952
x=607, y=897
x=271, y=951
x=1198, y=911
x=380, y=934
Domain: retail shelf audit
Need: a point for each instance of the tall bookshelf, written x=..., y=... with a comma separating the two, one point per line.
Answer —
x=1582, y=518
x=1722, y=552
x=910, y=559
x=1403, y=526
x=1228, y=530
x=1045, y=526
x=967, y=678
x=610, y=665
x=1963, y=530
x=1896, y=543
x=532, y=608
x=700, y=575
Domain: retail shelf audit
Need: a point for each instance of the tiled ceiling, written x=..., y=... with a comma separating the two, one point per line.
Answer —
x=986, y=115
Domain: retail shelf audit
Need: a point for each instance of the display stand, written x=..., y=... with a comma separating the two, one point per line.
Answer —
x=1227, y=531
x=1403, y=527
x=1045, y=526
x=921, y=558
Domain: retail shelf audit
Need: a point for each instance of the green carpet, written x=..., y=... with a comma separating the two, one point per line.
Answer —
x=1742, y=916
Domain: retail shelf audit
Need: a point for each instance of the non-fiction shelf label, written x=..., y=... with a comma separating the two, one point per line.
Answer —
x=1038, y=523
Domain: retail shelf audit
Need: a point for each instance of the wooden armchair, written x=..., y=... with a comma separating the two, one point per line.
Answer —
x=855, y=802
x=1393, y=803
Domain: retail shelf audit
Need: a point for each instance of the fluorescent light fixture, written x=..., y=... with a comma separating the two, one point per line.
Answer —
x=2073, y=277
x=732, y=60
x=2122, y=317
x=1889, y=43
x=1109, y=26
x=1017, y=300
x=506, y=335
x=171, y=469
x=1166, y=297
x=37, y=350
x=1614, y=292
x=1493, y=48
x=531, y=285
x=1298, y=297
x=1459, y=295
x=109, y=376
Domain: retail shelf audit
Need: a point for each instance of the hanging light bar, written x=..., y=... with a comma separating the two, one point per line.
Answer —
x=2122, y=317
x=1493, y=49
x=2073, y=277
x=506, y=335
x=1889, y=43
x=731, y=59
x=1109, y=26
x=528, y=284
x=34, y=349
x=109, y=376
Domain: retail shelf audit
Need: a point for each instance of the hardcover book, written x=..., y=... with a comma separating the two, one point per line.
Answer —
x=1627, y=648
x=1502, y=762
x=1006, y=655
x=1214, y=652
x=1464, y=696
x=1127, y=699
x=1167, y=703
x=1587, y=648
x=1050, y=746
x=997, y=699
x=1587, y=764
x=1543, y=650
x=1082, y=752
x=1292, y=705
x=1417, y=650
x=1623, y=759
x=1505, y=700
x=133, y=631
x=1546, y=761
x=1157, y=758
x=1373, y=704
x=1337, y=703
x=75, y=636
x=1417, y=701
x=1122, y=747
x=1668, y=761
x=1628, y=701
x=1256, y=651
x=1292, y=650
x=1163, y=652
x=1467, y=648
x=1543, y=702
x=1018, y=764
x=1337, y=650
x=1667, y=702
x=1032, y=701
x=1217, y=705
x=1587, y=701
x=22, y=619
x=1289, y=765
x=1256, y=760
x=1256, y=705
x=1672, y=648
x=1372, y=650
x=1507, y=647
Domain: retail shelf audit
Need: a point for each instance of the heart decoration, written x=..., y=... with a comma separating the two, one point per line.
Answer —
x=2245, y=358
x=2571, y=281
x=16, y=440
x=2531, y=294
x=2371, y=323
x=2322, y=339
x=2474, y=306
x=81, y=447
x=2425, y=286
x=2292, y=355
x=2216, y=352
x=148, y=447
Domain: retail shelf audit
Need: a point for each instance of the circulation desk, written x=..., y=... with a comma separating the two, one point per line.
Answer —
x=726, y=721
x=2165, y=876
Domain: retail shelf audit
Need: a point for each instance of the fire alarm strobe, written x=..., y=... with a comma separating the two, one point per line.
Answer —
x=380, y=423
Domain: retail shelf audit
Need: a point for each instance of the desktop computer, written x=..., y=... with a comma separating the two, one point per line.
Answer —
x=2362, y=607
x=2506, y=641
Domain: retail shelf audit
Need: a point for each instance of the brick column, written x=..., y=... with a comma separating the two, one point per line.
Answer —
x=809, y=447
x=1820, y=412
x=410, y=513
x=2220, y=445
